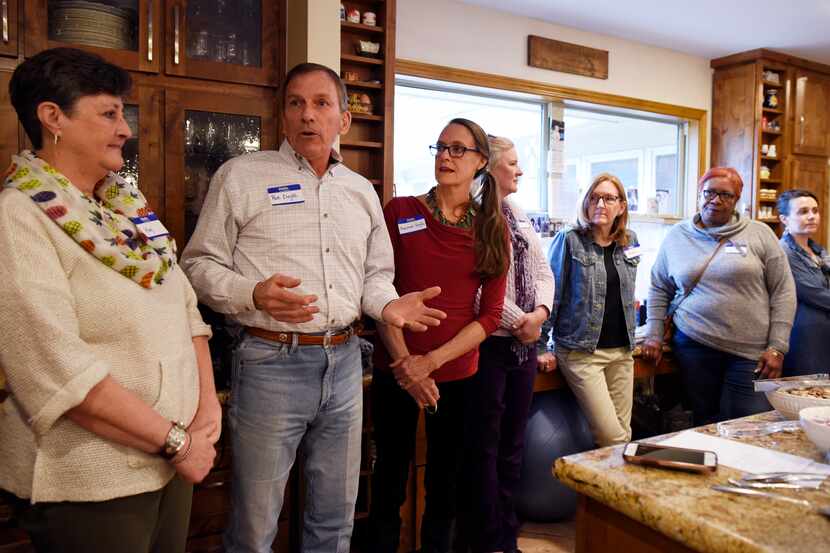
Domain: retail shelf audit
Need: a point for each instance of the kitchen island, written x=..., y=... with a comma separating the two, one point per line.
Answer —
x=625, y=507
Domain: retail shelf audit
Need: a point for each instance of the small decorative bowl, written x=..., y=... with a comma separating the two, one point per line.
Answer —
x=789, y=405
x=816, y=424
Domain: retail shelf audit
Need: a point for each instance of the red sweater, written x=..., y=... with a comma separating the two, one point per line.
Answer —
x=440, y=255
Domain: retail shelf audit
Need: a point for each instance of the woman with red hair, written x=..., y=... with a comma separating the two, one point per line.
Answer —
x=727, y=283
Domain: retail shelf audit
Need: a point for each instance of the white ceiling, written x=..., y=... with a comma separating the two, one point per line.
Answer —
x=706, y=28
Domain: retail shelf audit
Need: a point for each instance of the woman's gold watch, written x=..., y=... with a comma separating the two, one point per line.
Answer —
x=775, y=353
x=175, y=440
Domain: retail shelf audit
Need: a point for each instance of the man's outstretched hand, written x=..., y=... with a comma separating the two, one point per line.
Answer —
x=409, y=311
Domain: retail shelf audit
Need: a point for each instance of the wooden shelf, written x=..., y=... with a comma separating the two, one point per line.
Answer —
x=767, y=158
x=772, y=84
x=767, y=201
x=770, y=181
x=360, y=59
x=772, y=110
x=360, y=27
x=765, y=131
x=366, y=116
x=769, y=220
x=361, y=144
x=363, y=84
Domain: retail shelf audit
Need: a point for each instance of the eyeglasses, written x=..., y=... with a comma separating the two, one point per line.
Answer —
x=455, y=150
x=709, y=195
x=607, y=199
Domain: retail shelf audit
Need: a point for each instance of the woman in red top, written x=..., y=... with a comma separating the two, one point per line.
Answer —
x=449, y=239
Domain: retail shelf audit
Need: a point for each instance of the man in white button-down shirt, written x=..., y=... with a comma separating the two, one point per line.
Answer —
x=292, y=245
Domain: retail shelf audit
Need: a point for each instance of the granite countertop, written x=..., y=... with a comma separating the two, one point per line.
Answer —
x=683, y=507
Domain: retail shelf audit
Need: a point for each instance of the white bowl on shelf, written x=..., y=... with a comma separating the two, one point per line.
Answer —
x=789, y=405
x=816, y=424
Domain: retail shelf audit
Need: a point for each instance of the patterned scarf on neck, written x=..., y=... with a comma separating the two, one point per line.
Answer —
x=523, y=278
x=105, y=225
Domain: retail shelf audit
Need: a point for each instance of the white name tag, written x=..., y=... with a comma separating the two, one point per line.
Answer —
x=525, y=224
x=150, y=226
x=633, y=251
x=287, y=194
x=733, y=248
x=407, y=225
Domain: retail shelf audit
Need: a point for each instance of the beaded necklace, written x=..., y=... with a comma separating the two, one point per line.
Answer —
x=466, y=221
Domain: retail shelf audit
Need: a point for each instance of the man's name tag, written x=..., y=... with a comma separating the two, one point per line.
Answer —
x=633, y=251
x=408, y=225
x=524, y=224
x=150, y=226
x=735, y=248
x=287, y=194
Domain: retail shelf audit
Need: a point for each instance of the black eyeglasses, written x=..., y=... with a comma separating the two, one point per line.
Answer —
x=608, y=199
x=709, y=195
x=455, y=150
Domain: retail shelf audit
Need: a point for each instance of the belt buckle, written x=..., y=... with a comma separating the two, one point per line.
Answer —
x=327, y=339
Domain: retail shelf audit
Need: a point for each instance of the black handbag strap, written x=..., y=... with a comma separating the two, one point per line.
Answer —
x=698, y=277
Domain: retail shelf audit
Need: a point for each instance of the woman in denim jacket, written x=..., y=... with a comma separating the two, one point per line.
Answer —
x=595, y=265
x=810, y=264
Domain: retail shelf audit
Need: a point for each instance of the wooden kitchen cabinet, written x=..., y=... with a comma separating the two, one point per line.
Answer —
x=747, y=126
x=8, y=28
x=811, y=114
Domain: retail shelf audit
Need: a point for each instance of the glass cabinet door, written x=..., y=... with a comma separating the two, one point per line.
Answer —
x=125, y=32
x=203, y=131
x=211, y=139
x=8, y=27
x=226, y=40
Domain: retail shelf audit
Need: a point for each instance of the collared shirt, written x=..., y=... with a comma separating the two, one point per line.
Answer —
x=268, y=212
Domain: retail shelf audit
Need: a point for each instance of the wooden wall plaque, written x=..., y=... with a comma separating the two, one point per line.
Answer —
x=556, y=55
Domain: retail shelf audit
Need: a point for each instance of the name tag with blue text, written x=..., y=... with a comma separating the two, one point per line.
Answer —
x=735, y=248
x=407, y=225
x=633, y=251
x=150, y=226
x=287, y=194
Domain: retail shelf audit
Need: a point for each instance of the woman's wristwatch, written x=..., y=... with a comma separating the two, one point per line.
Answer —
x=175, y=441
x=775, y=353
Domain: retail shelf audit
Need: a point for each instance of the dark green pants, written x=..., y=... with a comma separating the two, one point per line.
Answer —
x=152, y=522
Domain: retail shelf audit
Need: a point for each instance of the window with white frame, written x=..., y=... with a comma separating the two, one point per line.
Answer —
x=422, y=109
x=644, y=152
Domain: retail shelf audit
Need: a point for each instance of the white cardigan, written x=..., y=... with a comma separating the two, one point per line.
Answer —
x=66, y=322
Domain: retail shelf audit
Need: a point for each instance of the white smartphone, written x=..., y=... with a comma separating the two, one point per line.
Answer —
x=678, y=458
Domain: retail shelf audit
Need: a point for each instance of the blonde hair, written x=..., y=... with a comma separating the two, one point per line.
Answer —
x=619, y=228
x=498, y=146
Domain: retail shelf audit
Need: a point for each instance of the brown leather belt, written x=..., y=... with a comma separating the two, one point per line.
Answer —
x=333, y=339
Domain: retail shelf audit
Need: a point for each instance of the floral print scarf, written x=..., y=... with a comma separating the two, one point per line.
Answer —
x=106, y=226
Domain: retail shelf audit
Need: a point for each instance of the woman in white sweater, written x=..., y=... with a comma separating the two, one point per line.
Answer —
x=501, y=391
x=113, y=412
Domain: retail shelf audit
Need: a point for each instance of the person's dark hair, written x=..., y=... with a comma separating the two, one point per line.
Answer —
x=305, y=69
x=62, y=76
x=783, y=203
x=489, y=228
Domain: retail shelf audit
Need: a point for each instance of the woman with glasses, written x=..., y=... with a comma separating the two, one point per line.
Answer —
x=727, y=282
x=595, y=266
x=810, y=265
x=447, y=238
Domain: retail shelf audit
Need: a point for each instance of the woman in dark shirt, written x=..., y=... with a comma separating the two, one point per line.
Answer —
x=595, y=266
x=452, y=240
x=810, y=339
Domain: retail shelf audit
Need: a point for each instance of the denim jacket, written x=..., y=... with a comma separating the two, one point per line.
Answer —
x=579, y=301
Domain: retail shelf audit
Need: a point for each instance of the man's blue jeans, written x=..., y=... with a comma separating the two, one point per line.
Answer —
x=717, y=385
x=283, y=397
